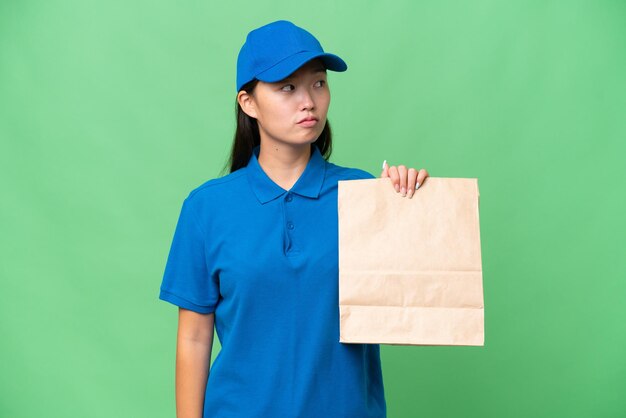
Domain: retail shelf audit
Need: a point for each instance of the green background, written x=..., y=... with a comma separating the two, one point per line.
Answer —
x=112, y=111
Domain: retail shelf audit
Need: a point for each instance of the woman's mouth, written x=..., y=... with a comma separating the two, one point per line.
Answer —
x=308, y=123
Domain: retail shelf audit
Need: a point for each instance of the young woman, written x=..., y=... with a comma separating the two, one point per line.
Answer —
x=255, y=253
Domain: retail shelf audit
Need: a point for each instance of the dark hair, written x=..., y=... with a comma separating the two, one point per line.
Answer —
x=247, y=136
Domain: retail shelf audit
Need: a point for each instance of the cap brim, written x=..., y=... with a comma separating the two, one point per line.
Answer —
x=287, y=66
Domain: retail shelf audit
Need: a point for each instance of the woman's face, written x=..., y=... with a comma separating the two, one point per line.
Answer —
x=281, y=108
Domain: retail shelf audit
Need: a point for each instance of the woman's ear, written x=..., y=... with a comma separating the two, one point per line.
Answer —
x=246, y=101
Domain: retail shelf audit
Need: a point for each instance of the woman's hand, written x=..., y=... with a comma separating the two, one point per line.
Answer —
x=404, y=180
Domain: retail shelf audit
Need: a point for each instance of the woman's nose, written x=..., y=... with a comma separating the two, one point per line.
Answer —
x=306, y=100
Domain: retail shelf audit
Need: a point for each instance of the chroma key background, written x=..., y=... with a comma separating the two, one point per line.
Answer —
x=112, y=111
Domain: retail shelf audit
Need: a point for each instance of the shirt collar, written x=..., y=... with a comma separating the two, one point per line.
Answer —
x=309, y=183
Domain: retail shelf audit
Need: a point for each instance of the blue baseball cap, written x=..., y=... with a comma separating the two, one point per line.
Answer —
x=274, y=51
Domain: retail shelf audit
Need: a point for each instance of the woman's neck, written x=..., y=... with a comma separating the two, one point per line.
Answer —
x=284, y=164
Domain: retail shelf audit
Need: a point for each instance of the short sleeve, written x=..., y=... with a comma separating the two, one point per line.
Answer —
x=187, y=280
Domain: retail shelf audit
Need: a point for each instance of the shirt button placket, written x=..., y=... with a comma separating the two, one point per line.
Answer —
x=289, y=198
x=289, y=224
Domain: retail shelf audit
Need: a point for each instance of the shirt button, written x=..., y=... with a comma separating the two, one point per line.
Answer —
x=289, y=198
x=290, y=225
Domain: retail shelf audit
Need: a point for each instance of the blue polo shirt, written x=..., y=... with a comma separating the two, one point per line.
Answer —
x=265, y=260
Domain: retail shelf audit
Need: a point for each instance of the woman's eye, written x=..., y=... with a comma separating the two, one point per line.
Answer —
x=291, y=87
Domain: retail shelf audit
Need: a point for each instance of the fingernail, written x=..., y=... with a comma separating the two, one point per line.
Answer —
x=410, y=194
x=397, y=187
x=384, y=164
x=403, y=190
x=417, y=185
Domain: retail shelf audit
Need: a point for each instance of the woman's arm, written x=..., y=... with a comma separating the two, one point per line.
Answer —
x=193, y=357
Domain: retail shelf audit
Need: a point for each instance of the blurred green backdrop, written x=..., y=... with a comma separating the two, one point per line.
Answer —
x=111, y=112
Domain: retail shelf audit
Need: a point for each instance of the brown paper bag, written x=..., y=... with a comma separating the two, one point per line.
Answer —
x=410, y=270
